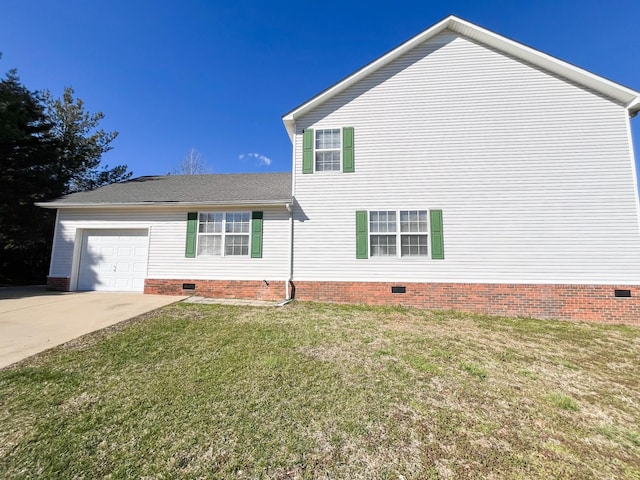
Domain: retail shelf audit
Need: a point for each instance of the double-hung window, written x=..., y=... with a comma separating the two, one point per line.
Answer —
x=223, y=233
x=327, y=150
x=236, y=238
x=399, y=233
x=413, y=233
x=383, y=228
x=210, y=234
x=390, y=229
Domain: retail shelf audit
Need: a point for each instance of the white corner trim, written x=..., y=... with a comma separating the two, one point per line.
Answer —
x=53, y=243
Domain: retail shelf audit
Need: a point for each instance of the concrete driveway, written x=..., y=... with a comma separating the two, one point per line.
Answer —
x=33, y=320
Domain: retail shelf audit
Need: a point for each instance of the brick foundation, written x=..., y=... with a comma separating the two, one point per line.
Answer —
x=594, y=303
x=249, y=289
x=58, y=284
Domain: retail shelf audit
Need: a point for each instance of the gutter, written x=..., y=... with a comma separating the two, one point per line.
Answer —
x=634, y=107
x=244, y=203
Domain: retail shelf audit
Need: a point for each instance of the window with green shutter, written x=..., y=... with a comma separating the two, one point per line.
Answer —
x=362, y=234
x=399, y=233
x=348, y=163
x=256, y=234
x=328, y=150
x=192, y=234
x=307, y=151
x=437, y=235
x=214, y=234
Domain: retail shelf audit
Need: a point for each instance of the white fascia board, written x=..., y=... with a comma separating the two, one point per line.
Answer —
x=615, y=91
x=634, y=106
x=252, y=203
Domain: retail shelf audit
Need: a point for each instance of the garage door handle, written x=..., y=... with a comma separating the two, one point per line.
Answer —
x=115, y=268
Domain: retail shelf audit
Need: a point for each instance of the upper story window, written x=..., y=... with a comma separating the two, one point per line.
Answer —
x=328, y=150
x=223, y=232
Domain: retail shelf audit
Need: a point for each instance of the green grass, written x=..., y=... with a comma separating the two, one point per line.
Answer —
x=563, y=401
x=326, y=391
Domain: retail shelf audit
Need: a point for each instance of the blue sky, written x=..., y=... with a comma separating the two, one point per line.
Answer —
x=218, y=75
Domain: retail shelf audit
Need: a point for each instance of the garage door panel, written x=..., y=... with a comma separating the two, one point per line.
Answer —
x=123, y=284
x=140, y=267
x=122, y=267
x=113, y=260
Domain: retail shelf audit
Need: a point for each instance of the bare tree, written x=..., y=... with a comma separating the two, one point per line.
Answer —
x=192, y=164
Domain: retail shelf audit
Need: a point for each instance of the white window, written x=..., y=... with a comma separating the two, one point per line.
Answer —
x=327, y=150
x=210, y=233
x=407, y=228
x=413, y=233
x=236, y=240
x=216, y=229
x=382, y=227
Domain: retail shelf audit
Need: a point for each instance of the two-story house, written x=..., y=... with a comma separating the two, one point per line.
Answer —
x=461, y=170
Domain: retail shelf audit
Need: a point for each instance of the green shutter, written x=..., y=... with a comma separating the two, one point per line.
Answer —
x=256, y=234
x=362, y=235
x=437, y=235
x=348, y=165
x=307, y=151
x=192, y=233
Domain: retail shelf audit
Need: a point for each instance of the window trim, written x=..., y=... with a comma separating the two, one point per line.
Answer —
x=223, y=234
x=399, y=234
x=339, y=149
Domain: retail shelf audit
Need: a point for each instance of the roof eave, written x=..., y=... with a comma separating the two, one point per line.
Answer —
x=244, y=203
x=634, y=107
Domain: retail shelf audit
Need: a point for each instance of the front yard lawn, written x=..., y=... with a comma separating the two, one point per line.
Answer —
x=327, y=391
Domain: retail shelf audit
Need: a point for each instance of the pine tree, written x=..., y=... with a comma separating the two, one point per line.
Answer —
x=48, y=147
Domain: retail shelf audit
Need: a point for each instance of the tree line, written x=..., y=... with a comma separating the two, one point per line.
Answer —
x=49, y=147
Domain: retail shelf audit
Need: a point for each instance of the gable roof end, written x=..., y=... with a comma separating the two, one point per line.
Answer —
x=625, y=96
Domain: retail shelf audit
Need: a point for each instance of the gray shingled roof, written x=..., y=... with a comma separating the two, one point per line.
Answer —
x=229, y=189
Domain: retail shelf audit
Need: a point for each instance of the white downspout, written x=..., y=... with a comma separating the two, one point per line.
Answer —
x=290, y=277
x=290, y=210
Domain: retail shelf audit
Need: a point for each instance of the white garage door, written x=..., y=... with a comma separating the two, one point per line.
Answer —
x=114, y=260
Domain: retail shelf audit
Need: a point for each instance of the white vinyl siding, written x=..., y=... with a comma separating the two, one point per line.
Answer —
x=533, y=174
x=167, y=237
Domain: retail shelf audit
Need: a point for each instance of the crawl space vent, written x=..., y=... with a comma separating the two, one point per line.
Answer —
x=622, y=293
